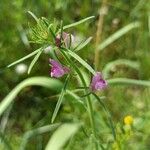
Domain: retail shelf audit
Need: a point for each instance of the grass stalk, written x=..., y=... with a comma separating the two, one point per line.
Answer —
x=102, y=13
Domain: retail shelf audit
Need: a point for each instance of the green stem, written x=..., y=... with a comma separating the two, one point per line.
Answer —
x=108, y=115
x=89, y=103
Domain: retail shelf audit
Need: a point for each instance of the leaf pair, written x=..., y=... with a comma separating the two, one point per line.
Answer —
x=37, y=54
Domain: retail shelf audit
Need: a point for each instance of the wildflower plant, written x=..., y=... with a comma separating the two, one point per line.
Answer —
x=65, y=62
x=54, y=35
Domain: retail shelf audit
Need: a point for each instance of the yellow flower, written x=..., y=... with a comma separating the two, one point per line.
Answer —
x=128, y=120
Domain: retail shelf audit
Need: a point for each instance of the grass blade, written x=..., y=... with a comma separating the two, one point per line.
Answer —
x=61, y=136
x=118, y=34
x=24, y=58
x=35, y=132
x=126, y=81
x=111, y=65
x=53, y=84
x=4, y=119
x=77, y=23
x=35, y=60
x=59, y=102
x=83, y=44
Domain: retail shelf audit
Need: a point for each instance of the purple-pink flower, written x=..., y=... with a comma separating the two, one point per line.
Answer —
x=57, y=70
x=65, y=38
x=98, y=83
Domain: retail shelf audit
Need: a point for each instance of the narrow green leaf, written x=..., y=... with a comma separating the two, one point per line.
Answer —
x=118, y=34
x=33, y=15
x=35, y=132
x=82, y=96
x=83, y=44
x=5, y=118
x=35, y=60
x=112, y=65
x=107, y=113
x=24, y=58
x=81, y=61
x=53, y=84
x=126, y=81
x=59, y=102
x=79, y=22
x=61, y=136
x=51, y=31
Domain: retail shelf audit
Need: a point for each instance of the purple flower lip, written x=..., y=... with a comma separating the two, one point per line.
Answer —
x=98, y=83
x=57, y=70
x=65, y=38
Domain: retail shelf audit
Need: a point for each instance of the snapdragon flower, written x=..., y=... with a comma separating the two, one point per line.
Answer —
x=98, y=83
x=57, y=70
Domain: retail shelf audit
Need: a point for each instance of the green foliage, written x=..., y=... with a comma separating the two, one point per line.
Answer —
x=60, y=100
x=34, y=60
x=83, y=44
x=41, y=33
x=118, y=34
x=40, y=81
x=59, y=139
x=24, y=58
x=36, y=132
x=77, y=23
x=80, y=60
x=124, y=60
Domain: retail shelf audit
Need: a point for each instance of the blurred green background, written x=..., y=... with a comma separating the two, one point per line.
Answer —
x=33, y=107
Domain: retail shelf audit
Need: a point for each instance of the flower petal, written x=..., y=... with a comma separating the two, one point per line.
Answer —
x=54, y=63
x=57, y=70
x=98, y=83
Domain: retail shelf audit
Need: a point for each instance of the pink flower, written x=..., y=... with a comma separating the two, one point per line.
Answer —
x=65, y=38
x=57, y=70
x=98, y=83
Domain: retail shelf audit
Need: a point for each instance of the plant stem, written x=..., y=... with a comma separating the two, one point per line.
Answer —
x=89, y=103
x=107, y=113
x=102, y=13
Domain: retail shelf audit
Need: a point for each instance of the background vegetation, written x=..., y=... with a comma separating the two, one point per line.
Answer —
x=34, y=106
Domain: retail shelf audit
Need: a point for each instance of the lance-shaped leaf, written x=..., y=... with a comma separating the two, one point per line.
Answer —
x=61, y=136
x=34, y=60
x=63, y=91
x=118, y=34
x=83, y=44
x=81, y=61
x=77, y=23
x=53, y=84
x=24, y=58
